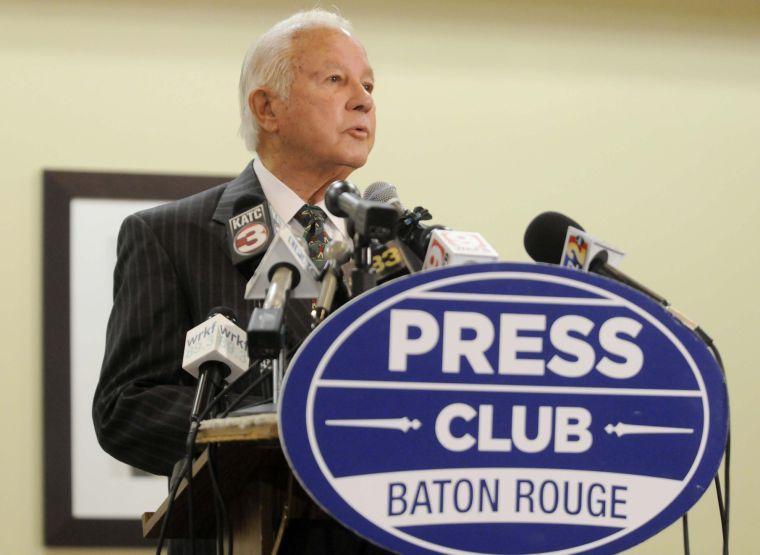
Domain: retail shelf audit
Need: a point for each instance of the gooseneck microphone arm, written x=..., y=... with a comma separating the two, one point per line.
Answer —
x=337, y=253
x=599, y=266
x=212, y=376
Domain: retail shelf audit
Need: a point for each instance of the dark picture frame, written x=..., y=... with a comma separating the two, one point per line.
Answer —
x=60, y=188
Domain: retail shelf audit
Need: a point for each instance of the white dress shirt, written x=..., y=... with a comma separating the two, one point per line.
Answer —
x=284, y=204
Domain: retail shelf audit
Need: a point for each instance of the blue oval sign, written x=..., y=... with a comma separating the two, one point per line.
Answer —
x=504, y=408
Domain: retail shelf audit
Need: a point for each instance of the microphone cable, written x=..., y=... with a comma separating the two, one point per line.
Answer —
x=183, y=473
x=186, y=471
x=221, y=515
x=236, y=401
x=194, y=429
x=685, y=528
x=544, y=241
x=724, y=496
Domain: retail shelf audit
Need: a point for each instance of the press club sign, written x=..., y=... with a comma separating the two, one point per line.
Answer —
x=504, y=408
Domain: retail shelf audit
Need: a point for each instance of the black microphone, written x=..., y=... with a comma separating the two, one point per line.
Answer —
x=544, y=241
x=370, y=219
x=249, y=232
x=411, y=232
x=544, y=238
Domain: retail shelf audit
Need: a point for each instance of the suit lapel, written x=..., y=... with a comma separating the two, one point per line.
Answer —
x=297, y=311
x=244, y=184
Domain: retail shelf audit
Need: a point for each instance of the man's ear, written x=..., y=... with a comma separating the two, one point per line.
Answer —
x=260, y=103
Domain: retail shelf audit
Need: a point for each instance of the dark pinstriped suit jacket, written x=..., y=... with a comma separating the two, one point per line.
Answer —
x=173, y=266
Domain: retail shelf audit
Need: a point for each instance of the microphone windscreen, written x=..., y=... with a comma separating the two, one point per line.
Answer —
x=381, y=191
x=224, y=311
x=545, y=236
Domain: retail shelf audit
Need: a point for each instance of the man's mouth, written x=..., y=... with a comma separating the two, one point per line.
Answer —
x=358, y=132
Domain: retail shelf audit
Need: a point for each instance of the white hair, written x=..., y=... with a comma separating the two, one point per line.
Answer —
x=268, y=62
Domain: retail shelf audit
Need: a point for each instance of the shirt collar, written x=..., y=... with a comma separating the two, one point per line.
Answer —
x=284, y=201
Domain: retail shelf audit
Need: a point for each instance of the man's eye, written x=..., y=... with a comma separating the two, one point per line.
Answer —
x=369, y=87
x=334, y=78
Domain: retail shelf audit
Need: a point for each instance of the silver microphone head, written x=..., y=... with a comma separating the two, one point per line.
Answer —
x=337, y=250
x=386, y=193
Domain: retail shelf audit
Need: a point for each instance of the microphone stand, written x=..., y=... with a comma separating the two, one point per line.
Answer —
x=362, y=277
x=599, y=266
x=267, y=331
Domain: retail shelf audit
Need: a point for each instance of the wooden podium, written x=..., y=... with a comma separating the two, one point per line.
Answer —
x=259, y=490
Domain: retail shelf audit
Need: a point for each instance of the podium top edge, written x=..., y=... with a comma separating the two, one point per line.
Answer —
x=255, y=427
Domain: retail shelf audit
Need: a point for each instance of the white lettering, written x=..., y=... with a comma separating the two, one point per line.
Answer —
x=455, y=346
x=486, y=441
x=402, y=345
x=510, y=344
x=633, y=358
x=561, y=339
x=568, y=425
x=443, y=427
x=519, y=429
x=571, y=434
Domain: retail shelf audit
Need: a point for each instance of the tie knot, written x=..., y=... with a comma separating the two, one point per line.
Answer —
x=310, y=216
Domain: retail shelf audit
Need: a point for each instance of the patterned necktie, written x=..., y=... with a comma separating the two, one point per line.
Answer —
x=312, y=218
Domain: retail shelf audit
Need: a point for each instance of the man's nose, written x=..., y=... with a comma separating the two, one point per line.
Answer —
x=361, y=99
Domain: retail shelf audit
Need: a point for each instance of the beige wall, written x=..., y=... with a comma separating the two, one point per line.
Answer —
x=639, y=119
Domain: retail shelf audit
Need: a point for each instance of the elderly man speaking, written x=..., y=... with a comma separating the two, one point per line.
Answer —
x=307, y=111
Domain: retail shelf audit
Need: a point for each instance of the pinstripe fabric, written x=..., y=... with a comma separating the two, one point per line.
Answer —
x=173, y=266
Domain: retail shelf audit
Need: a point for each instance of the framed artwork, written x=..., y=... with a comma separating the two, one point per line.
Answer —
x=91, y=499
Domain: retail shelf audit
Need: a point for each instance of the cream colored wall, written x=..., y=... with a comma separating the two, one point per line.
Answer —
x=639, y=119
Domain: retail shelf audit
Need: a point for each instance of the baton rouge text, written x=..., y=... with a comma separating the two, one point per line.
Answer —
x=522, y=496
x=468, y=335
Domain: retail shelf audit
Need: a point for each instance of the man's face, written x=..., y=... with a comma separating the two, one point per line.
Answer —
x=328, y=119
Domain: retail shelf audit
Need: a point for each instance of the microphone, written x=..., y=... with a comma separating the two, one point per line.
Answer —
x=411, y=232
x=553, y=237
x=370, y=219
x=337, y=253
x=548, y=238
x=435, y=245
x=214, y=350
x=544, y=238
x=285, y=271
x=286, y=251
x=382, y=191
x=395, y=258
x=455, y=248
x=249, y=231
